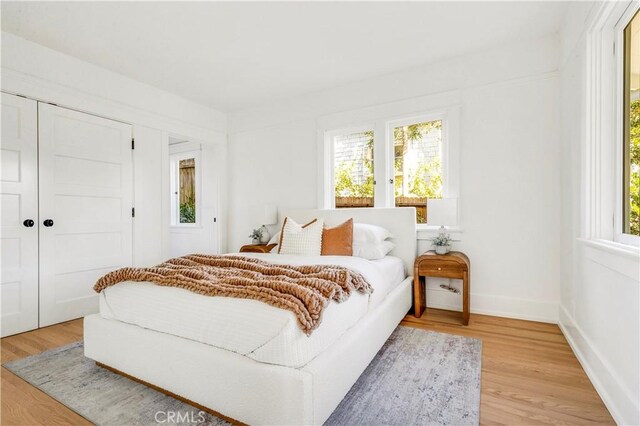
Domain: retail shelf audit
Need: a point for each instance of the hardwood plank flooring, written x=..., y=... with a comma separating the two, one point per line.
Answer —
x=529, y=373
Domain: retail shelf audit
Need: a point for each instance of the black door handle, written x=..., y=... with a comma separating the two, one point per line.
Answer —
x=48, y=223
x=28, y=223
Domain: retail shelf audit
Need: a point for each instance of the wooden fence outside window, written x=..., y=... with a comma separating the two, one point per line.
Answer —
x=420, y=203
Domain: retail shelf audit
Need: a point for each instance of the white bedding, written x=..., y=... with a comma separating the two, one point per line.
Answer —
x=259, y=331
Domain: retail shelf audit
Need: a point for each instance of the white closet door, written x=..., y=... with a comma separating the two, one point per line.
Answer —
x=85, y=208
x=19, y=200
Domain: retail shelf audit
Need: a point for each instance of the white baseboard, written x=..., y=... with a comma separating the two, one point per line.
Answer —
x=615, y=396
x=499, y=306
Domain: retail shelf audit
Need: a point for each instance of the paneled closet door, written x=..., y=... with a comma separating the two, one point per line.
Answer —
x=85, y=208
x=19, y=228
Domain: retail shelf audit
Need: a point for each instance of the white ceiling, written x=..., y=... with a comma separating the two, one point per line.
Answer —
x=235, y=55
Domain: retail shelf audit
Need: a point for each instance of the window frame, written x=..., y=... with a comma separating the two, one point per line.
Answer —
x=620, y=113
x=330, y=195
x=390, y=149
x=601, y=176
x=382, y=119
x=174, y=160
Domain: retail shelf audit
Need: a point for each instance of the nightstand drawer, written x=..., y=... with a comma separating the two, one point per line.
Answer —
x=442, y=269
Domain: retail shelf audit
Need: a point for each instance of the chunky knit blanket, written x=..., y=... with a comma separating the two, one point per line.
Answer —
x=304, y=290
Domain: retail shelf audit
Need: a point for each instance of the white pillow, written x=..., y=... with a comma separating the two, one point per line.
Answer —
x=372, y=251
x=275, y=239
x=301, y=239
x=364, y=233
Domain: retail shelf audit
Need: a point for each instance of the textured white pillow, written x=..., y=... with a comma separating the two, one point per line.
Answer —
x=372, y=251
x=301, y=239
x=364, y=233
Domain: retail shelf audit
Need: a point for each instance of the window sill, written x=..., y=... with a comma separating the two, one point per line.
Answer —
x=612, y=247
x=628, y=240
x=618, y=257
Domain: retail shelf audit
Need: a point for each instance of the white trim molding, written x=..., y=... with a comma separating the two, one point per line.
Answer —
x=608, y=384
x=491, y=304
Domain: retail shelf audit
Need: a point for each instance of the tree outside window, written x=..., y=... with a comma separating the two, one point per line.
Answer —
x=418, y=165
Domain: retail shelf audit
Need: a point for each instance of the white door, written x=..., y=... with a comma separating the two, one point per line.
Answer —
x=19, y=200
x=85, y=208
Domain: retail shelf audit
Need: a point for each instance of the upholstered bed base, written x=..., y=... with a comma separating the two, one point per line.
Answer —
x=237, y=386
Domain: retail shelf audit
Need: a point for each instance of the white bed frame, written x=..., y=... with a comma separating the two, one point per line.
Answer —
x=247, y=390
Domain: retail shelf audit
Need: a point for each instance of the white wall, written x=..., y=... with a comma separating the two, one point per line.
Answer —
x=40, y=73
x=599, y=312
x=510, y=167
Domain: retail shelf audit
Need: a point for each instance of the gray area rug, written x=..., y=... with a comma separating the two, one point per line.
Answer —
x=418, y=378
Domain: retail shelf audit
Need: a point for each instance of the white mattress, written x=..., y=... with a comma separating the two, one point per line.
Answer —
x=259, y=331
x=393, y=272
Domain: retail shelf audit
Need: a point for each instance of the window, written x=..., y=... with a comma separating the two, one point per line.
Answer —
x=610, y=160
x=184, y=188
x=631, y=128
x=417, y=151
x=187, y=190
x=353, y=180
x=386, y=160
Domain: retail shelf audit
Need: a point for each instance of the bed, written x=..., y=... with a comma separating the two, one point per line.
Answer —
x=223, y=353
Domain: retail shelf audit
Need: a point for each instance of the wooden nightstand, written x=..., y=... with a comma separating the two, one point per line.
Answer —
x=451, y=265
x=257, y=248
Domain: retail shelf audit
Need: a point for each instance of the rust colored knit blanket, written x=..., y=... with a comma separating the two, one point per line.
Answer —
x=304, y=290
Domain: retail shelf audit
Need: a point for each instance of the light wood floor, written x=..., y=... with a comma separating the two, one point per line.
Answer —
x=529, y=373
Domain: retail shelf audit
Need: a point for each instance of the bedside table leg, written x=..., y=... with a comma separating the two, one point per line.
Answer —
x=465, y=299
x=418, y=297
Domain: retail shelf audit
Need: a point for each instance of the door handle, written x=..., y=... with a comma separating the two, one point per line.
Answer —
x=28, y=223
x=48, y=223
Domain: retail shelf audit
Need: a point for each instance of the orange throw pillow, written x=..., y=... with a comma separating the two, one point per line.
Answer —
x=338, y=241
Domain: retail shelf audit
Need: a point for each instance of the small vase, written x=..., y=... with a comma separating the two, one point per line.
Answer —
x=442, y=249
x=255, y=241
x=266, y=236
